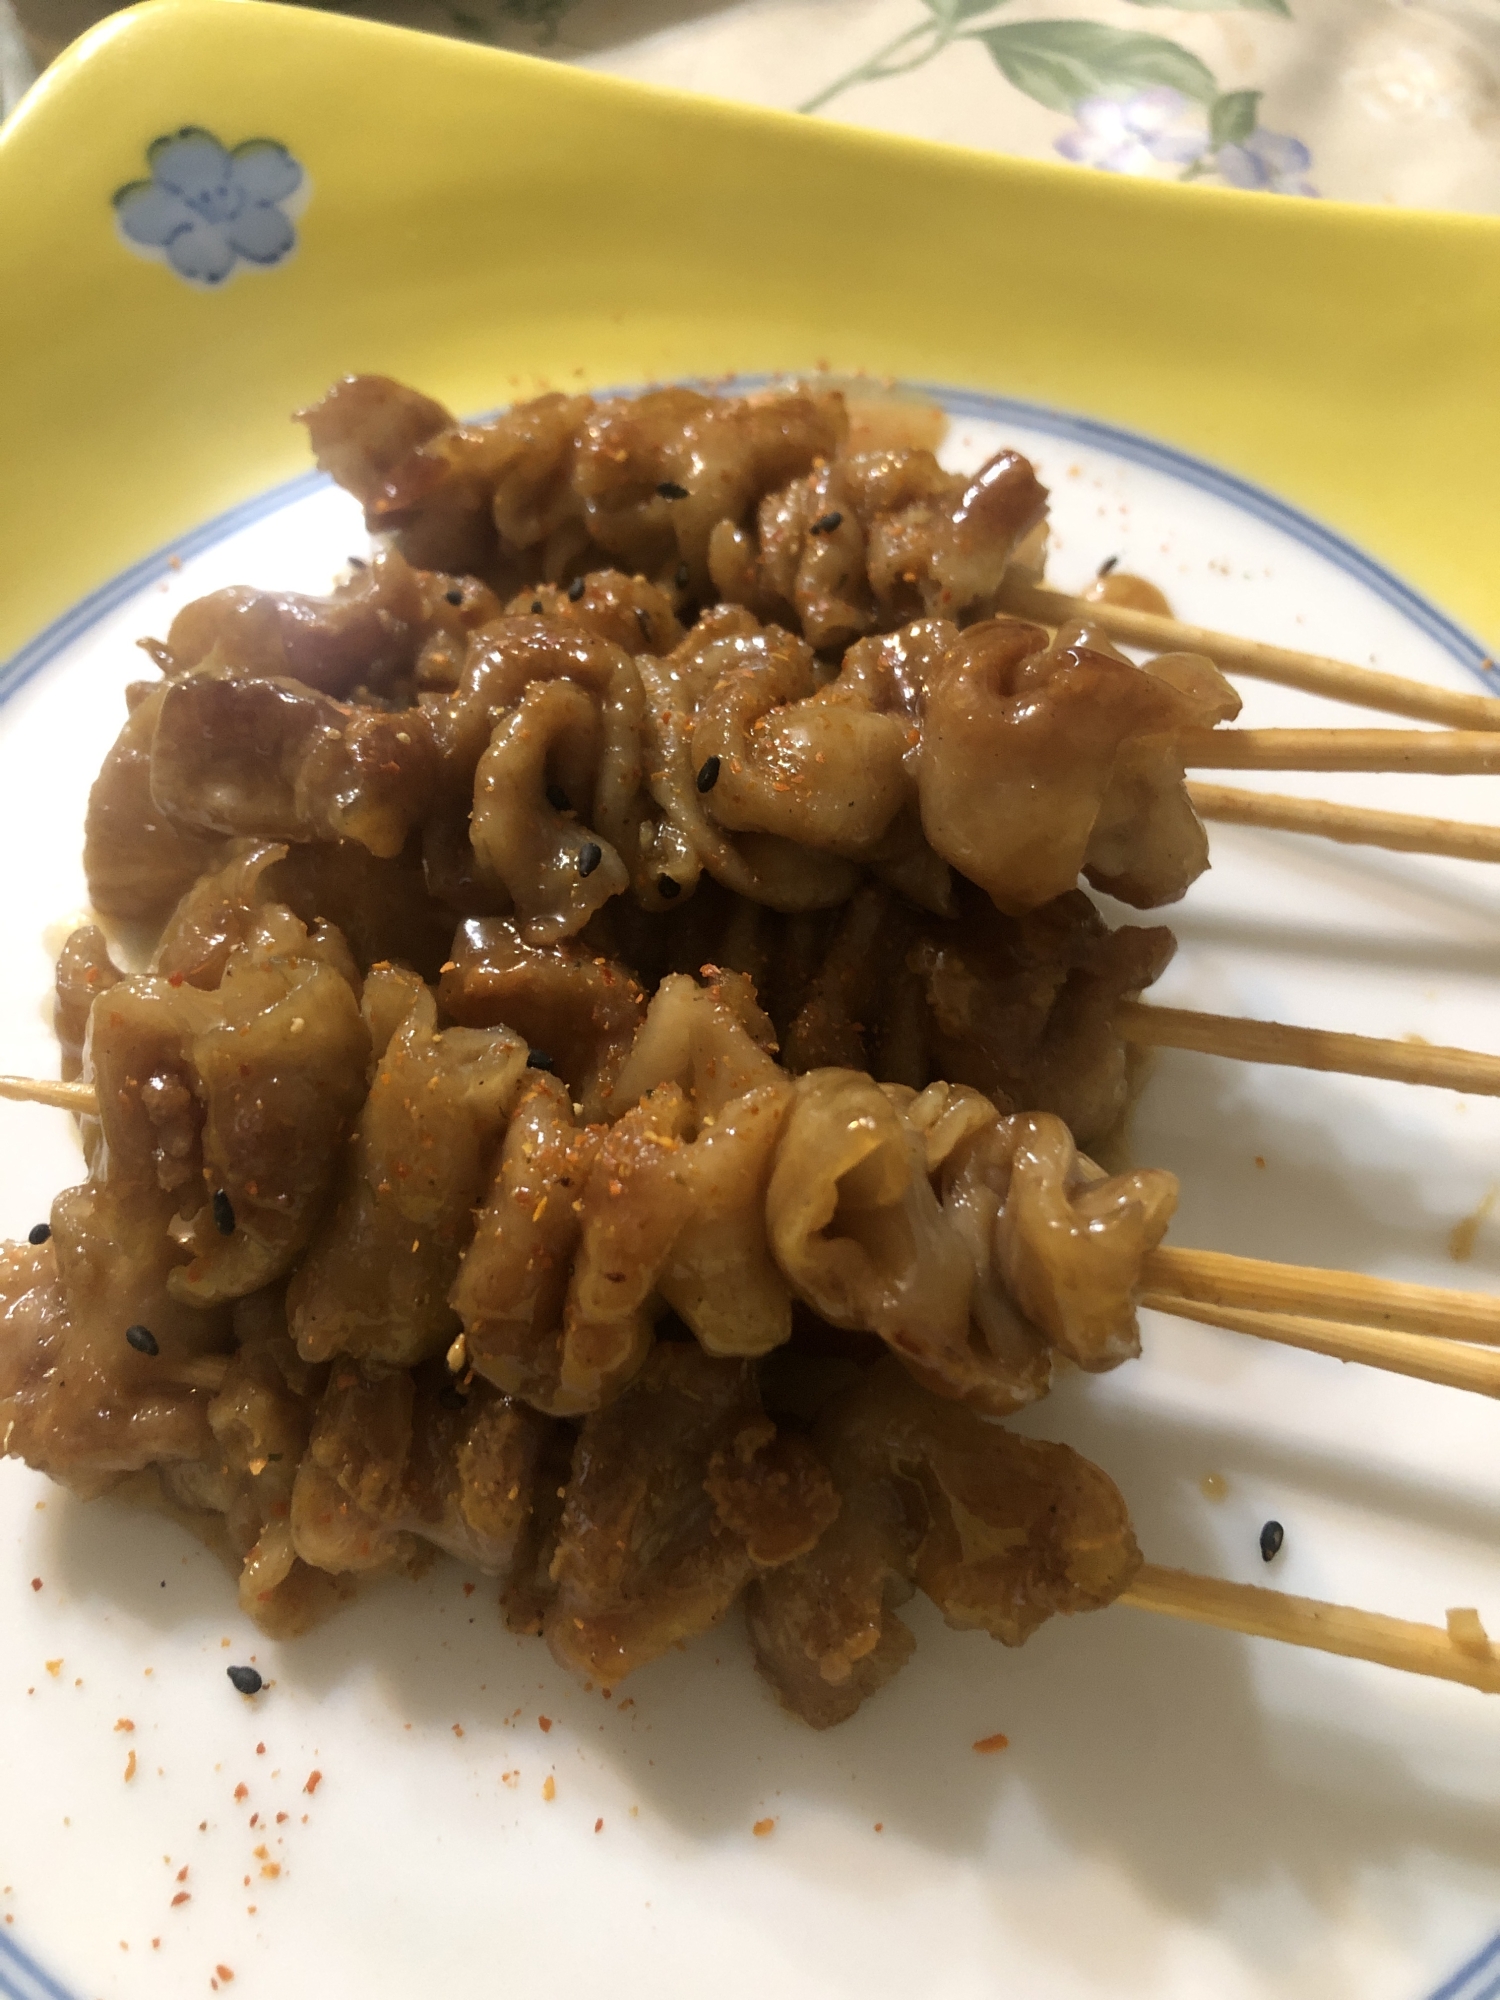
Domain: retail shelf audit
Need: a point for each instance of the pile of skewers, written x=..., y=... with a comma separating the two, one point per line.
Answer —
x=634, y=692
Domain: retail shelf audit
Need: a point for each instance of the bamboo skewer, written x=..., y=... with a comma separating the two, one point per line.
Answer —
x=1215, y=1277
x=1458, y=1653
x=1453, y=1364
x=1444, y=751
x=1314, y=672
x=79, y=1097
x=1308, y=1048
x=1355, y=826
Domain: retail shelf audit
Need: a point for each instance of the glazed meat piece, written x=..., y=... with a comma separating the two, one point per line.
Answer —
x=725, y=647
x=1024, y=1009
x=589, y=1232
x=277, y=1073
x=970, y=1244
x=577, y=1011
x=1000, y=1532
x=1021, y=1008
x=1148, y=846
x=542, y=737
x=219, y=1116
x=813, y=766
x=702, y=1051
x=628, y=611
x=1070, y=1241
x=374, y=1282
x=501, y=663
x=271, y=759
x=403, y=1460
x=511, y=1292
x=366, y=636
x=881, y=1211
x=681, y=1491
x=538, y=493
x=366, y=427
x=548, y=752
x=657, y=473
x=238, y=1497
x=382, y=909
x=215, y=916
x=76, y=1400
x=488, y=499
x=1021, y=743
x=222, y=1109
x=138, y=860
x=867, y=542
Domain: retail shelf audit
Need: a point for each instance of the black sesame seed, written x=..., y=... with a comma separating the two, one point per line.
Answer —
x=453, y=596
x=538, y=1059
x=358, y=562
x=708, y=773
x=558, y=799
x=589, y=857
x=142, y=1339
x=643, y=622
x=1272, y=1535
x=39, y=1232
x=827, y=523
x=576, y=588
x=1107, y=565
x=668, y=888
x=683, y=574
x=223, y=1213
x=670, y=490
x=536, y=607
x=246, y=1680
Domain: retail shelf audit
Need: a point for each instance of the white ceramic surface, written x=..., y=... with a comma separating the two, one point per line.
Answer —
x=1180, y=1814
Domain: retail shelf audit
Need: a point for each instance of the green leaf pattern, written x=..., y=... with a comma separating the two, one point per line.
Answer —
x=1061, y=63
x=1142, y=103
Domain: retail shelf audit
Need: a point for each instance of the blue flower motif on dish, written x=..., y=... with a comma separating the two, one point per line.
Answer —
x=1272, y=161
x=207, y=206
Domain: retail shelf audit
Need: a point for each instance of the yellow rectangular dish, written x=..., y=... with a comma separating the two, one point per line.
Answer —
x=485, y=223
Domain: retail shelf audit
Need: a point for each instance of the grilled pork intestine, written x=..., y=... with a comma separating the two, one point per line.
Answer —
x=584, y=1013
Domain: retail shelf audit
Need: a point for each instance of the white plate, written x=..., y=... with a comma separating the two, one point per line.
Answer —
x=1180, y=1813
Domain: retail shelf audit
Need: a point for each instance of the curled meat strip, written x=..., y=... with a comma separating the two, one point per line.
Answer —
x=137, y=859
x=211, y=1111
x=626, y=610
x=274, y=759
x=952, y=1234
x=589, y=1232
x=374, y=1282
x=682, y=1490
x=388, y=623
x=1000, y=1532
x=1021, y=740
x=405, y=1460
x=532, y=495
x=1021, y=1008
x=76, y=1401
x=869, y=541
x=577, y=1011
